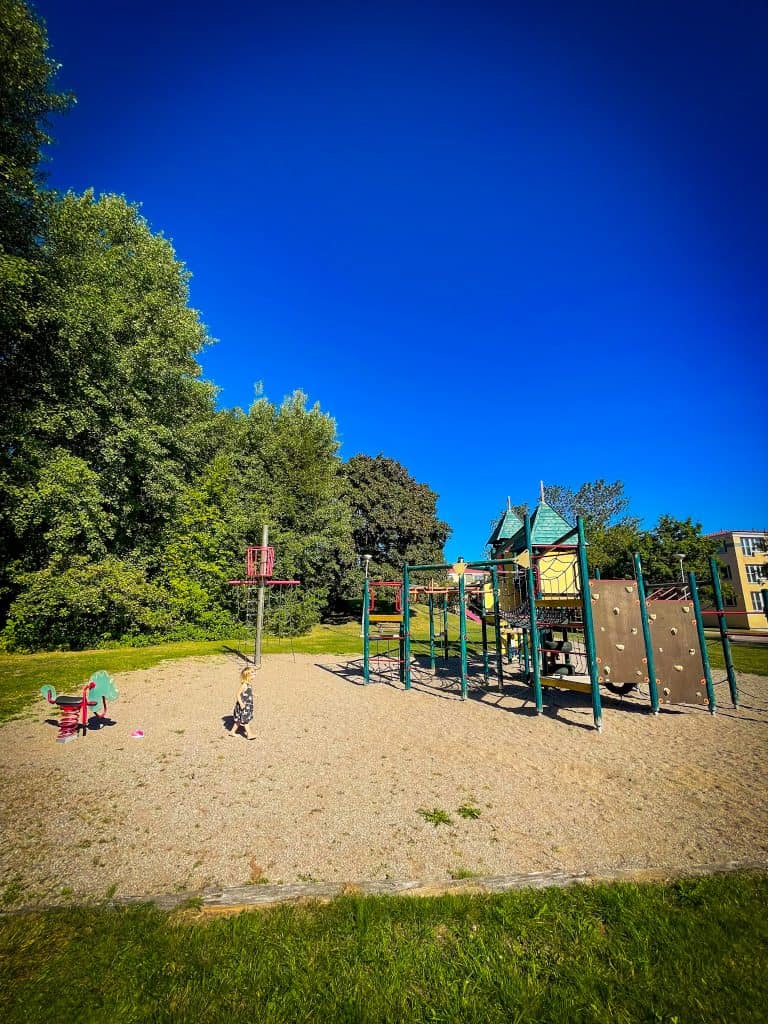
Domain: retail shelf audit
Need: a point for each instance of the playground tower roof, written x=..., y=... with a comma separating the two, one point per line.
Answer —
x=506, y=528
x=546, y=526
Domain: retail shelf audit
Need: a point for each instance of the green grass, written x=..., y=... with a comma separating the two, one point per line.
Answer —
x=22, y=675
x=745, y=659
x=691, y=951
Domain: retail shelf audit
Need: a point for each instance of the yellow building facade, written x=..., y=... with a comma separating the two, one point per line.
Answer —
x=743, y=558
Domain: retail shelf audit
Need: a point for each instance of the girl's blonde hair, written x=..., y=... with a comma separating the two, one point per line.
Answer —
x=247, y=675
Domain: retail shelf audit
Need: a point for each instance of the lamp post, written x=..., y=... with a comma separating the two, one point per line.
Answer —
x=681, y=556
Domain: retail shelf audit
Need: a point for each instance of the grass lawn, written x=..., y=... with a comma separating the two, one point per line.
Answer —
x=689, y=951
x=22, y=675
x=745, y=659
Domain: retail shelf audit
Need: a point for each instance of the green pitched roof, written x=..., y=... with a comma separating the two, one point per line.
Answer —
x=506, y=528
x=546, y=526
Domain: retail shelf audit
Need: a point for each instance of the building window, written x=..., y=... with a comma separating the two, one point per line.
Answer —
x=751, y=546
x=729, y=601
x=725, y=572
x=757, y=600
x=755, y=572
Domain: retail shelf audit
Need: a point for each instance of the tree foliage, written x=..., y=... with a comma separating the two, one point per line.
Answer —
x=27, y=100
x=661, y=547
x=394, y=518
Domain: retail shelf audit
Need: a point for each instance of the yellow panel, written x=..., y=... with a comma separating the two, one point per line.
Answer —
x=565, y=684
x=385, y=618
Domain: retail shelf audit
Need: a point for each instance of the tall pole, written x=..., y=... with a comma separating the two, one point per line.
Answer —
x=650, y=662
x=405, y=633
x=260, y=605
x=497, y=626
x=463, y=636
x=432, y=632
x=535, y=643
x=589, y=629
x=366, y=629
x=702, y=642
x=723, y=627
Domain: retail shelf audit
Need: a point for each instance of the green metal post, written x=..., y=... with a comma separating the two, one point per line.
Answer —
x=432, y=632
x=723, y=627
x=366, y=637
x=647, y=638
x=463, y=637
x=484, y=628
x=702, y=642
x=445, y=628
x=535, y=642
x=406, y=630
x=497, y=626
x=589, y=627
x=597, y=574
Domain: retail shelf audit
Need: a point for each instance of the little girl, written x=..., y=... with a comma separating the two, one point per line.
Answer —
x=243, y=712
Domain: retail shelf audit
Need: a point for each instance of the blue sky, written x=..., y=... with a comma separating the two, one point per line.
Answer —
x=498, y=243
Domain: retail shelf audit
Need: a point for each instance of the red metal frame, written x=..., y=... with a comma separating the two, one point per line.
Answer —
x=383, y=584
x=259, y=561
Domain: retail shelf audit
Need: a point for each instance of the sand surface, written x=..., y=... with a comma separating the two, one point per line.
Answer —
x=335, y=783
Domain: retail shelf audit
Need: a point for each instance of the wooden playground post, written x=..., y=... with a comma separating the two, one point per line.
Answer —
x=260, y=605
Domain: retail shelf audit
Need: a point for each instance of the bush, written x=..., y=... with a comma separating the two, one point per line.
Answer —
x=86, y=604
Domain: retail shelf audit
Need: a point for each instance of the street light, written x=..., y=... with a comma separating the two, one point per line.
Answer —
x=367, y=563
x=681, y=556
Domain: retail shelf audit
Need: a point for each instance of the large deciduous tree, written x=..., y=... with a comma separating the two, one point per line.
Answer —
x=27, y=100
x=662, y=547
x=612, y=535
x=394, y=518
x=118, y=421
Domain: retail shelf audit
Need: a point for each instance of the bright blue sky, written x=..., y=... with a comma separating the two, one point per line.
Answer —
x=498, y=243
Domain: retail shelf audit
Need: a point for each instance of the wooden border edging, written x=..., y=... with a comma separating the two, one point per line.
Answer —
x=234, y=899
x=251, y=897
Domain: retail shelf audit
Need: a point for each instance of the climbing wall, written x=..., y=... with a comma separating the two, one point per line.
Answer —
x=618, y=631
x=676, y=653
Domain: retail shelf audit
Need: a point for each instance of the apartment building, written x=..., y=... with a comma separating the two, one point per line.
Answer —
x=743, y=557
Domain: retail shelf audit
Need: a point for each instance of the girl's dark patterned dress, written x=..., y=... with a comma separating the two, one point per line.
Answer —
x=243, y=712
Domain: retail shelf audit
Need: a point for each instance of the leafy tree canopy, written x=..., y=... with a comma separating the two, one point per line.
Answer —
x=661, y=547
x=394, y=518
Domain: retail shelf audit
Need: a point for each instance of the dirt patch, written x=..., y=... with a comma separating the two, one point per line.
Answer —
x=335, y=786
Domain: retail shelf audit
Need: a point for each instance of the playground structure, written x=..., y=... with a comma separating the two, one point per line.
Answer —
x=259, y=566
x=75, y=709
x=573, y=633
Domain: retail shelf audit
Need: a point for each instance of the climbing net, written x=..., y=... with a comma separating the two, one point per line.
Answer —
x=280, y=609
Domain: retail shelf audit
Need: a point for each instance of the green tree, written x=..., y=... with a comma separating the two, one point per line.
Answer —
x=612, y=535
x=291, y=472
x=599, y=502
x=27, y=100
x=121, y=393
x=662, y=546
x=394, y=518
x=118, y=422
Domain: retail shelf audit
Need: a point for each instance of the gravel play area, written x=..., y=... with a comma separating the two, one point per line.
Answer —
x=352, y=782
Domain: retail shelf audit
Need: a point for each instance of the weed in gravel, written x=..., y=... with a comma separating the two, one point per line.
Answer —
x=468, y=811
x=458, y=873
x=437, y=816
